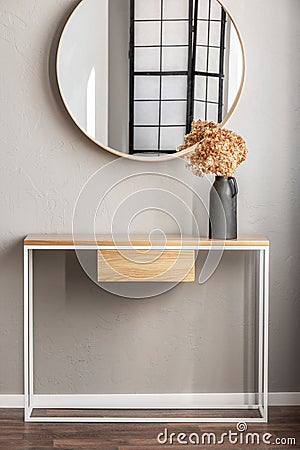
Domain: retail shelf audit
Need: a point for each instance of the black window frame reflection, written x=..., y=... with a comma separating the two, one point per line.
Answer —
x=191, y=72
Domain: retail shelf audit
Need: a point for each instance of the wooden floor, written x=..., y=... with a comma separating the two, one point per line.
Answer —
x=15, y=434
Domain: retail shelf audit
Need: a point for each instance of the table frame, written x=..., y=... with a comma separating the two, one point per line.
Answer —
x=263, y=337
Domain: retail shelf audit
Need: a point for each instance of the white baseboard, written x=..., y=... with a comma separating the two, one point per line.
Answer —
x=284, y=398
x=149, y=401
x=144, y=401
x=11, y=401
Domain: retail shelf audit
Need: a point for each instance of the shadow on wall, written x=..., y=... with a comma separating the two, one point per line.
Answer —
x=11, y=316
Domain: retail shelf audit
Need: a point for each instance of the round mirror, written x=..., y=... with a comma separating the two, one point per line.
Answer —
x=133, y=74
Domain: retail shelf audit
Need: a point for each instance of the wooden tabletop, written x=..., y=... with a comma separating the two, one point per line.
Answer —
x=141, y=240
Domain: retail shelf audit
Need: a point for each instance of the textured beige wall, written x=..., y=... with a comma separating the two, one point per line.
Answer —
x=191, y=338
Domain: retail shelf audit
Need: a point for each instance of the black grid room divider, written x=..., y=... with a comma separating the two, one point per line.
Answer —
x=177, y=55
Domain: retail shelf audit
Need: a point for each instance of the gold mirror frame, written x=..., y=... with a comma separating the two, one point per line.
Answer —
x=175, y=154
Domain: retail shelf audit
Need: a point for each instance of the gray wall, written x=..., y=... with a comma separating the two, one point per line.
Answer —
x=191, y=338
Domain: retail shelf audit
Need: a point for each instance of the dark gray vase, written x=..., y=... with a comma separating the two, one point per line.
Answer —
x=223, y=208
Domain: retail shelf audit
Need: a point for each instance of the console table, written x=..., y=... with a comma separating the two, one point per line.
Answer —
x=105, y=243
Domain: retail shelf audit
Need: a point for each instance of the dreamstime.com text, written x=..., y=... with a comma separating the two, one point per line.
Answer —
x=239, y=436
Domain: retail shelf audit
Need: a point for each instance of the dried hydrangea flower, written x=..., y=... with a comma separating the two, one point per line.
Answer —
x=217, y=150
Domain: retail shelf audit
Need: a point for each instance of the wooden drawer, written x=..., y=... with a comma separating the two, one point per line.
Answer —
x=146, y=265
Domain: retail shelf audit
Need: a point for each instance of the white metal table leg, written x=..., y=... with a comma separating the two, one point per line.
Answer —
x=26, y=314
x=266, y=330
x=25, y=282
x=30, y=321
x=28, y=332
x=260, y=327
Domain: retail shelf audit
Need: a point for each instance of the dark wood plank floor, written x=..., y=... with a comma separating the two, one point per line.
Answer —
x=15, y=434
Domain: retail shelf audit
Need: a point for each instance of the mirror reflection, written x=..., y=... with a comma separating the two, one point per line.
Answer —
x=133, y=74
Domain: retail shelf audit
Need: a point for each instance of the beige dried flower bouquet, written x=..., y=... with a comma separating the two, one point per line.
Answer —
x=216, y=150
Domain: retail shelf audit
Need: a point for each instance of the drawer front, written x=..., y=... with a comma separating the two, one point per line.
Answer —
x=146, y=265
